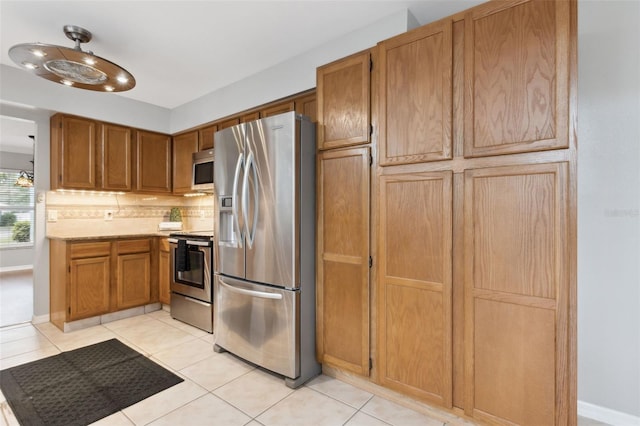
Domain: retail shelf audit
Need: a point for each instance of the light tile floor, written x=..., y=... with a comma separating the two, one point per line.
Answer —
x=217, y=389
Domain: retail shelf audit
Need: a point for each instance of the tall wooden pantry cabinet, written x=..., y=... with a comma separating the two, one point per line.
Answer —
x=344, y=181
x=473, y=214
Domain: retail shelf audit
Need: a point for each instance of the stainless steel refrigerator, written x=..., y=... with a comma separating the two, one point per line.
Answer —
x=264, y=289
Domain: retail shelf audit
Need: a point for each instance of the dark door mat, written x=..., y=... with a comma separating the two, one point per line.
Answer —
x=84, y=385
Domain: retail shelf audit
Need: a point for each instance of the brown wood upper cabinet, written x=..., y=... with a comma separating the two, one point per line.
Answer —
x=343, y=101
x=415, y=102
x=153, y=162
x=306, y=105
x=73, y=152
x=250, y=117
x=342, y=337
x=228, y=123
x=206, y=137
x=517, y=73
x=114, y=153
x=184, y=146
x=278, y=109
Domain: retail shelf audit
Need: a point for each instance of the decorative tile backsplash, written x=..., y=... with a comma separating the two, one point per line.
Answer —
x=84, y=214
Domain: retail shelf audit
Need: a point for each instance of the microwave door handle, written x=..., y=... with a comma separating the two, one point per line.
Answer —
x=251, y=167
x=234, y=205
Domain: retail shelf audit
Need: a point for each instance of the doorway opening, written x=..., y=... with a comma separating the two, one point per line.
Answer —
x=17, y=219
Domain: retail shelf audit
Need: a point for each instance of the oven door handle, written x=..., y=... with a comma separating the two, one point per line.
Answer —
x=251, y=293
x=191, y=243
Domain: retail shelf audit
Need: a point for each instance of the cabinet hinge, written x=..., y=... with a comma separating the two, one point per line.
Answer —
x=69, y=272
x=370, y=364
x=370, y=262
x=69, y=310
x=370, y=129
x=370, y=160
x=370, y=64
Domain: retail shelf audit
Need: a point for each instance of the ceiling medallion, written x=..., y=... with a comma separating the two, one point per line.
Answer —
x=72, y=66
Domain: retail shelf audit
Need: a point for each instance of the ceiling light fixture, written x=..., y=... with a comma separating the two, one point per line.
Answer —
x=25, y=179
x=72, y=66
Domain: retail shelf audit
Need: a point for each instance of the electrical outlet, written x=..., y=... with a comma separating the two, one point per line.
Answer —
x=52, y=215
x=108, y=215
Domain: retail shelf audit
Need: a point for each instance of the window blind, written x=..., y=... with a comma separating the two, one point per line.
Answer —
x=16, y=211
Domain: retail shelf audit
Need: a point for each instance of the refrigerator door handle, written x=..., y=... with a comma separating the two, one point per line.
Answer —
x=251, y=293
x=250, y=166
x=234, y=205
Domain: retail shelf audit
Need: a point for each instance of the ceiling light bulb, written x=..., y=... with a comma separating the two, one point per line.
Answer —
x=38, y=53
x=109, y=88
x=30, y=65
x=123, y=79
x=89, y=61
x=67, y=82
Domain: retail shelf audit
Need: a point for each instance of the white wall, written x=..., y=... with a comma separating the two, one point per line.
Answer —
x=22, y=88
x=609, y=204
x=293, y=76
x=15, y=161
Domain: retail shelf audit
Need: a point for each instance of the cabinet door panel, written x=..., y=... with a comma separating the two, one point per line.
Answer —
x=278, y=109
x=343, y=259
x=516, y=293
x=205, y=137
x=343, y=90
x=89, y=287
x=228, y=123
x=134, y=280
x=115, y=151
x=306, y=105
x=153, y=162
x=183, y=148
x=416, y=95
x=77, y=153
x=517, y=71
x=415, y=269
x=164, y=276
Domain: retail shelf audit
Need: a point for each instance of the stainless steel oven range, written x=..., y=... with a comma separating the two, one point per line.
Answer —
x=191, y=271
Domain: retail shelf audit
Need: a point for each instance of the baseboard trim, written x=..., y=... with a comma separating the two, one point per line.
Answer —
x=606, y=415
x=16, y=268
x=40, y=319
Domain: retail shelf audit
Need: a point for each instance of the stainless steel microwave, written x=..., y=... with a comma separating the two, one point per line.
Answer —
x=202, y=176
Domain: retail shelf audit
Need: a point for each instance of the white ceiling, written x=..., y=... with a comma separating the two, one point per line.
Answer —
x=181, y=50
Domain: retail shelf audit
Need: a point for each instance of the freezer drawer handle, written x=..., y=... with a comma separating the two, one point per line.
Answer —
x=199, y=302
x=252, y=293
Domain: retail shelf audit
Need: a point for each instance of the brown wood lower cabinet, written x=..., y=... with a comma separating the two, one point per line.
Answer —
x=164, y=272
x=414, y=293
x=89, y=280
x=96, y=277
x=133, y=266
x=516, y=258
x=343, y=259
